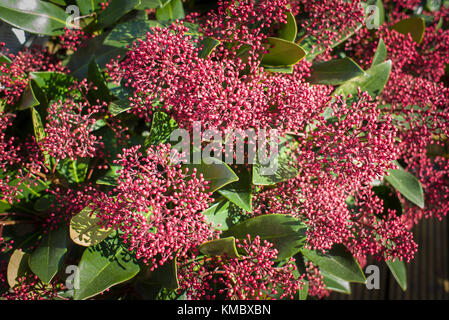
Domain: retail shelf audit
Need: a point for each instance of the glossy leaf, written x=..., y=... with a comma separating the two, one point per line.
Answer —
x=415, y=26
x=335, y=284
x=218, y=214
x=282, y=53
x=165, y=276
x=288, y=30
x=381, y=53
x=121, y=103
x=399, y=272
x=74, y=171
x=95, y=48
x=407, y=184
x=219, y=174
x=126, y=33
x=29, y=98
x=34, y=16
x=373, y=81
x=207, y=45
x=151, y=4
x=161, y=128
x=85, y=229
x=102, y=267
x=304, y=292
x=114, y=11
x=171, y=11
x=39, y=131
x=88, y=6
x=219, y=247
x=239, y=192
x=282, y=168
x=335, y=72
x=95, y=77
x=17, y=267
x=110, y=178
x=46, y=260
x=338, y=262
x=285, y=232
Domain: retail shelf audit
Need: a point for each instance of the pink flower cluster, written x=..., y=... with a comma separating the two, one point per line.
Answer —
x=157, y=206
x=14, y=75
x=252, y=276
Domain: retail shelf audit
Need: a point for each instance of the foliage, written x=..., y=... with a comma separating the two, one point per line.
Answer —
x=89, y=178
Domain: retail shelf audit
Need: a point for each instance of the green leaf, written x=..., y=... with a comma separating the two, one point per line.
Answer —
x=218, y=214
x=284, y=169
x=399, y=271
x=162, y=126
x=219, y=247
x=219, y=174
x=171, y=11
x=305, y=291
x=89, y=6
x=114, y=11
x=207, y=45
x=39, y=131
x=121, y=103
x=125, y=34
x=44, y=203
x=110, y=178
x=54, y=84
x=415, y=26
x=380, y=5
x=102, y=267
x=46, y=260
x=29, y=98
x=287, y=69
x=34, y=16
x=240, y=192
x=381, y=53
x=310, y=42
x=74, y=171
x=289, y=30
x=95, y=48
x=95, y=77
x=151, y=4
x=165, y=276
x=282, y=53
x=285, y=232
x=338, y=262
x=17, y=267
x=407, y=184
x=433, y=5
x=85, y=229
x=335, y=72
x=373, y=81
x=335, y=284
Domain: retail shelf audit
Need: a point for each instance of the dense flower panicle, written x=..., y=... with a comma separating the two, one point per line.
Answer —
x=29, y=287
x=433, y=173
x=383, y=235
x=245, y=22
x=317, y=288
x=166, y=68
x=420, y=109
x=14, y=75
x=328, y=21
x=68, y=130
x=73, y=38
x=157, y=206
x=250, y=276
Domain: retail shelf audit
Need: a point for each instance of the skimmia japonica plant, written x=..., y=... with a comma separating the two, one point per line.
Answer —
x=118, y=173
